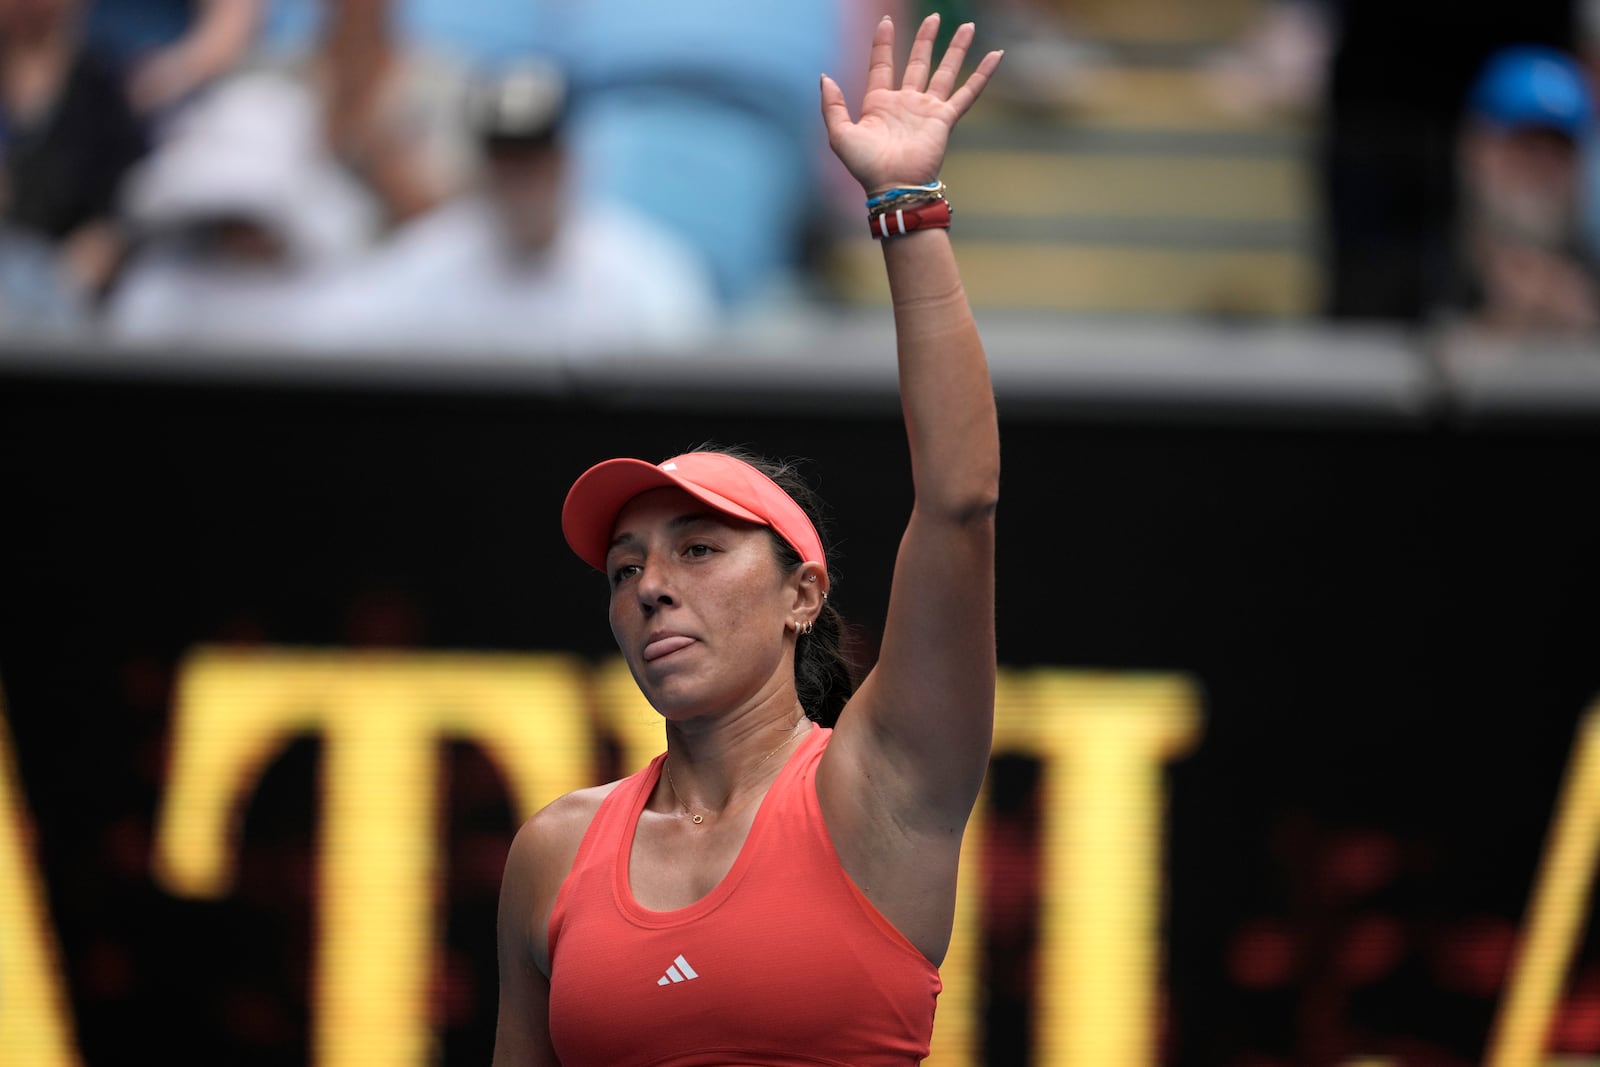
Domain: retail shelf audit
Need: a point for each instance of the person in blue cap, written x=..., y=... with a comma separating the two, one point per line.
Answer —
x=1534, y=86
x=1526, y=265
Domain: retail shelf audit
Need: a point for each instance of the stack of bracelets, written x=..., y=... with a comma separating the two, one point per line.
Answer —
x=904, y=208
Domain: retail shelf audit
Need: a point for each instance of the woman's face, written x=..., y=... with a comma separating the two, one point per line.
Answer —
x=699, y=605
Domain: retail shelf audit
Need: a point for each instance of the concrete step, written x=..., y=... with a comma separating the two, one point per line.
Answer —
x=1105, y=278
x=1162, y=22
x=1148, y=202
x=1157, y=185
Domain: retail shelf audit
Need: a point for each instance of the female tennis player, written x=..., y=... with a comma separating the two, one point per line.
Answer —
x=778, y=887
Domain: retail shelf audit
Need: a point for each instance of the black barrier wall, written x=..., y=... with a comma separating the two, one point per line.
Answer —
x=1392, y=626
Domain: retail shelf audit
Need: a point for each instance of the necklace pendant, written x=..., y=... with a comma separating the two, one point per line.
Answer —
x=698, y=819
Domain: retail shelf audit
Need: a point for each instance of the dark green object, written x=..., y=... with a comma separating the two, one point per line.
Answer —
x=952, y=13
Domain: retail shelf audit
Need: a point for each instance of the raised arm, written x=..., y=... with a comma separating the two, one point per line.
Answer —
x=921, y=724
x=216, y=42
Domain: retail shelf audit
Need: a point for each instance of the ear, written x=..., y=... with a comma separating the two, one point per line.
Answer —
x=810, y=585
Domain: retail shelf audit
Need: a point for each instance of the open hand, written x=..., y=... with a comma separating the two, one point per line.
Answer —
x=901, y=135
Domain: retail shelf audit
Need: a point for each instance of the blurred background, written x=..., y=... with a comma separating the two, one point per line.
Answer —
x=291, y=173
x=310, y=310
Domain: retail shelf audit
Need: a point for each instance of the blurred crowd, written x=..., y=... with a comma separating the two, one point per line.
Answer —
x=1458, y=161
x=614, y=176
x=328, y=174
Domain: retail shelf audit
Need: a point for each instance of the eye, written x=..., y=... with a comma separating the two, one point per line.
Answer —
x=623, y=573
x=698, y=551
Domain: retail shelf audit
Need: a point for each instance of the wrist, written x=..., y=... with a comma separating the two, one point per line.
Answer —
x=886, y=190
x=883, y=187
x=902, y=209
x=900, y=221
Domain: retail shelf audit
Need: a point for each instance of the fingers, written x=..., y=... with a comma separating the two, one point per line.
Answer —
x=942, y=84
x=964, y=97
x=835, y=113
x=880, y=66
x=921, y=59
x=944, y=79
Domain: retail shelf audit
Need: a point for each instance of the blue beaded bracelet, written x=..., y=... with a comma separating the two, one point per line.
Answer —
x=888, y=196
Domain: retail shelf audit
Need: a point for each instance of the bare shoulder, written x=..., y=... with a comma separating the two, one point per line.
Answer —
x=548, y=841
x=539, y=860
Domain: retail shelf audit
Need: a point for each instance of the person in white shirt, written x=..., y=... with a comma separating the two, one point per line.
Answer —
x=522, y=264
x=240, y=220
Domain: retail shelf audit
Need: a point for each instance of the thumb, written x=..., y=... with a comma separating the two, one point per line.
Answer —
x=835, y=114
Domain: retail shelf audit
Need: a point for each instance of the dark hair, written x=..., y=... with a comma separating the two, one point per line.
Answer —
x=823, y=677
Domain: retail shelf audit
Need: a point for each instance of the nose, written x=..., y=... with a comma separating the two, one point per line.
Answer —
x=653, y=588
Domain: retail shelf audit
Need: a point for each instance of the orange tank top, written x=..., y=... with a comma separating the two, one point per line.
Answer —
x=785, y=963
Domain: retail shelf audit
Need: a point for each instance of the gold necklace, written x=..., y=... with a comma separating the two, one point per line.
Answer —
x=698, y=819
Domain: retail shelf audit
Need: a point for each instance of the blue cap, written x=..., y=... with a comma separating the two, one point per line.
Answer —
x=1532, y=85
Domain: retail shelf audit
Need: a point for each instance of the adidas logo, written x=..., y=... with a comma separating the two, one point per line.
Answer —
x=680, y=971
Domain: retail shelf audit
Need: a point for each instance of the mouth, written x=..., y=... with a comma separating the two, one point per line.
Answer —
x=662, y=647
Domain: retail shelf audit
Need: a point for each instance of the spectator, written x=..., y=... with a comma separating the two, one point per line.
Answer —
x=1398, y=81
x=653, y=92
x=36, y=296
x=393, y=90
x=521, y=265
x=1386, y=83
x=69, y=139
x=241, y=217
x=1278, y=65
x=1526, y=268
x=169, y=50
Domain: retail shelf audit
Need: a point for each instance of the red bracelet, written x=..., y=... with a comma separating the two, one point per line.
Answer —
x=934, y=215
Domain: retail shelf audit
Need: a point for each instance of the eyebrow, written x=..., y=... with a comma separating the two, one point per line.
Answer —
x=678, y=522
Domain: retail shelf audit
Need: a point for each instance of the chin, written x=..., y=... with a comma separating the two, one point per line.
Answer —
x=677, y=698
x=676, y=704
x=669, y=692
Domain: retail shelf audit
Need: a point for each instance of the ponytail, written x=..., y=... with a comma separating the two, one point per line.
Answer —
x=822, y=673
